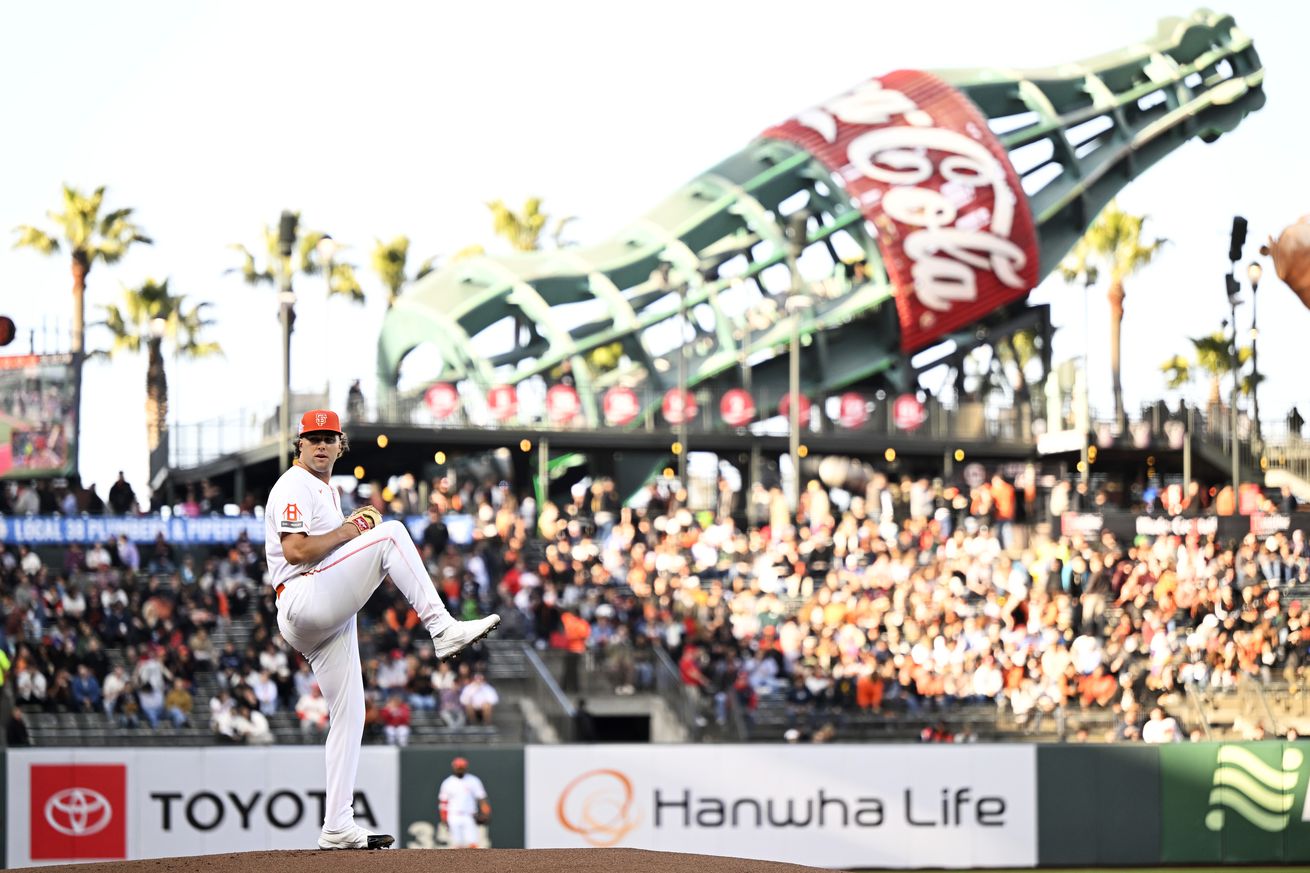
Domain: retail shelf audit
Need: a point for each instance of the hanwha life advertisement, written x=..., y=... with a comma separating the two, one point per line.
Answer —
x=832, y=806
x=121, y=804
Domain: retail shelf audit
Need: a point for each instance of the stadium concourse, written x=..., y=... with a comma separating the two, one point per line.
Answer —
x=906, y=611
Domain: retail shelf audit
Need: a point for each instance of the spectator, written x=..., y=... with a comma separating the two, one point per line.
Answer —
x=222, y=717
x=115, y=684
x=1161, y=728
x=122, y=499
x=396, y=720
x=178, y=703
x=86, y=690
x=312, y=711
x=478, y=698
x=249, y=726
x=151, y=700
x=16, y=730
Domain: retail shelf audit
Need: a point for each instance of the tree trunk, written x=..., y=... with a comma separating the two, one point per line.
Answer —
x=81, y=266
x=156, y=394
x=1116, y=298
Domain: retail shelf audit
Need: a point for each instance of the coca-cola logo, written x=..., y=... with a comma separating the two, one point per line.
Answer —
x=953, y=225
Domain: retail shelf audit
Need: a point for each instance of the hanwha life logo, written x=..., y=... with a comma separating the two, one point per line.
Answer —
x=78, y=812
x=598, y=806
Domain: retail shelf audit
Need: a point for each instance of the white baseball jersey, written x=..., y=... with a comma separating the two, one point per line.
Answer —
x=461, y=795
x=300, y=502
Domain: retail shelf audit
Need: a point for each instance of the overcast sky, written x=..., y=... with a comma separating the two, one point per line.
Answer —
x=209, y=118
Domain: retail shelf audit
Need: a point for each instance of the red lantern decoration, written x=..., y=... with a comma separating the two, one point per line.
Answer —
x=562, y=404
x=852, y=410
x=908, y=412
x=442, y=400
x=678, y=406
x=737, y=407
x=620, y=406
x=802, y=408
x=503, y=402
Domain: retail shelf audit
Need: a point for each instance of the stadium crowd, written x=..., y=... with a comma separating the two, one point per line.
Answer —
x=906, y=597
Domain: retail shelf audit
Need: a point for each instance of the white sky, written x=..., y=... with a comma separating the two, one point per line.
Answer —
x=387, y=118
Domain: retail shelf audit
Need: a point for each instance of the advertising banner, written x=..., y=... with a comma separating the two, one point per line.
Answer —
x=834, y=806
x=38, y=416
x=117, y=803
x=421, y=773
x=54, y=530
x=1235, y=803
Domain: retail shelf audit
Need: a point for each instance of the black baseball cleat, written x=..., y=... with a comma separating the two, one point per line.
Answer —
x=354, y=837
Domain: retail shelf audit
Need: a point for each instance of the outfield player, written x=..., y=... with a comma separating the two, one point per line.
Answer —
x=324, y=567
x=461, y=801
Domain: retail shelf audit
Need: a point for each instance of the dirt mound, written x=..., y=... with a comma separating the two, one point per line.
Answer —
x=449, y=861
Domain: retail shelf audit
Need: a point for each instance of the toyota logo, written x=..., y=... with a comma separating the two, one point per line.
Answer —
x=78, y=812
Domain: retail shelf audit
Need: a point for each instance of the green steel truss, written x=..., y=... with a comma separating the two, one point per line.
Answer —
x=1076, y=135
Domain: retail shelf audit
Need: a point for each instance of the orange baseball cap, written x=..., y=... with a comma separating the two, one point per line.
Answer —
x=320, y=420
x=458, y=763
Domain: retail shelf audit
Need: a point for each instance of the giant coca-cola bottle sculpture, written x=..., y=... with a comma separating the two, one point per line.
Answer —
x=926, y=202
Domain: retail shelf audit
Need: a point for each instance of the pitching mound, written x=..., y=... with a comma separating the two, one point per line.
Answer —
x=451, y=861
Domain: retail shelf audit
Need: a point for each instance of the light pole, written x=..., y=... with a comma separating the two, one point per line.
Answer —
x=1253, y=273
x=1085, y=402
x=1235, y=243
x=682, y=387
x=286, y=241
x=1232, y=401
x=797, y=232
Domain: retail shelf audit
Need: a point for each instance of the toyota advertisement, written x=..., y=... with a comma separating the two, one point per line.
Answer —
x=825, y=806
x=113, y=804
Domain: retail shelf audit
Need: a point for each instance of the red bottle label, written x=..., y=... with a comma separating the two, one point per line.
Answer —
x=938, y=192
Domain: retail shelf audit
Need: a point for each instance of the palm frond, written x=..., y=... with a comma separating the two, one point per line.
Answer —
x=343, y=281
x=426, y=267
x=307, y=257
x=35, y=238
x=1177, y=371
x=249, y=270
x=389, y=261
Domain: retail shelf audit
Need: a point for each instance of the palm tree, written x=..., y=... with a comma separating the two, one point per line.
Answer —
x=1114, y=243
x=1017, y=351
x=149, y=315
x=524, y=229
x=1214, y=357
x=389, y=263
x=89, y=237
x=310, y=258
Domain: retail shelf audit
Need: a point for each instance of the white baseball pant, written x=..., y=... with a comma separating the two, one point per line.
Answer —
x=465, y=832
x=316, y=614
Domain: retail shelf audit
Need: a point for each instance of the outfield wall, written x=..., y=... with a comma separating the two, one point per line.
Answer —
x=849, y=806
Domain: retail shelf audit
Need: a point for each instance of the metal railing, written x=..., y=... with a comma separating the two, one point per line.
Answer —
x=549, y=697
x=679, y=698
x=1194, y=699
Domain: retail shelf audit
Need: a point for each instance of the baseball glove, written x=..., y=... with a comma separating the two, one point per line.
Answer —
x=483, y=815
x=365, y=518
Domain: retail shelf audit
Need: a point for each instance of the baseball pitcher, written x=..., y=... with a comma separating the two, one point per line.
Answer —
x=324, y=567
